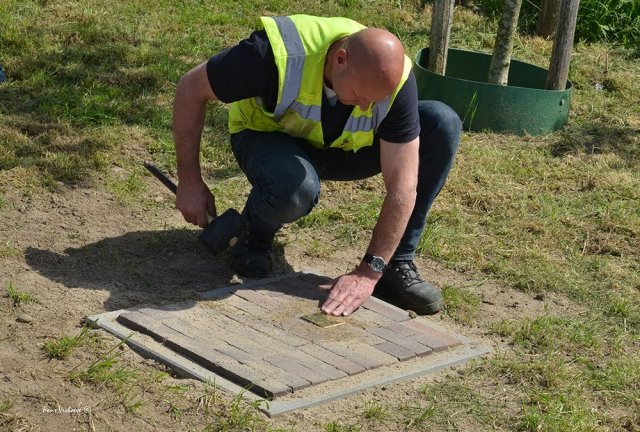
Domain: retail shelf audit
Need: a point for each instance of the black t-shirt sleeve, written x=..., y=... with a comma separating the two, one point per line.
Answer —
x=245, y=70
x=402, y=123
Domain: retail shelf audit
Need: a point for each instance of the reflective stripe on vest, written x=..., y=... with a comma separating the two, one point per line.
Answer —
x=295, y=64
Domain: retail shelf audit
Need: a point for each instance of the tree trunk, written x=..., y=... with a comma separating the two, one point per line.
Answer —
x=441, y=19
x=562, y=45
x=501, y=59
x=548, y=18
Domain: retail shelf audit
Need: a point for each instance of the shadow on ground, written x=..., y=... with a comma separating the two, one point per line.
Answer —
x=597, y=138
x=141, y=267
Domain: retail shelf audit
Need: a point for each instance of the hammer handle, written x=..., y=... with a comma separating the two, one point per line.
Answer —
x=161, y=176
x=166, y=181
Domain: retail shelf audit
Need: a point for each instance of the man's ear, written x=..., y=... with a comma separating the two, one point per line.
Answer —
x=341, y=57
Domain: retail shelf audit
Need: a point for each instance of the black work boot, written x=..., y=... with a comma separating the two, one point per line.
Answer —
x=251, y=256
x=402, y=285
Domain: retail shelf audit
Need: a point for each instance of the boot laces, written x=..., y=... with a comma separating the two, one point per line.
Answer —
x=408, y=272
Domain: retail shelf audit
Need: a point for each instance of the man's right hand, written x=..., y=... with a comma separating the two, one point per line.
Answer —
x=195, y=201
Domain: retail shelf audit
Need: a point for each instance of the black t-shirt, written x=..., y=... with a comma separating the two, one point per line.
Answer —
x=249, y=70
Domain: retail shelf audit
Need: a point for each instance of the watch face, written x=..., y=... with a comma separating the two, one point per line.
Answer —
x=377, y=264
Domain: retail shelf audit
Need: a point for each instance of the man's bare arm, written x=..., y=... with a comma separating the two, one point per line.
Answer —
x=400, y=172
x=193, y=198
x=399, y=163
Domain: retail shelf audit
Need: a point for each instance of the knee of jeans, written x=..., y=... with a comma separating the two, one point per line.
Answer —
x=292, y=204
x=441, y=119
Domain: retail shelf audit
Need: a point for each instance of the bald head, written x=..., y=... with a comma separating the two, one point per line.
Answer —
x=365, y=67
x=376, y=55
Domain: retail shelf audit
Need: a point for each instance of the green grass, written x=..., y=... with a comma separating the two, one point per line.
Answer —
x=461, y=303
x=129, y=385
x=222, y=415
x=445, y=404
x=129, y=189
x=10, y=421
x=8, y=251
x=336, y=426
x=237, y=415
x=375, y=411
x=64, y=346
x=616, y=21
x=89, y=98
x=18, y=297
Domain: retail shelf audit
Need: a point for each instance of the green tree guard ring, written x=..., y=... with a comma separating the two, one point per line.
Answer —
x=524, y=106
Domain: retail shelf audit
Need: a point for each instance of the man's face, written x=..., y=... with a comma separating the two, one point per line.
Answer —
x=357, y=88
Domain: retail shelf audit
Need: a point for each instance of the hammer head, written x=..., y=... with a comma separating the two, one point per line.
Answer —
x=223, y=231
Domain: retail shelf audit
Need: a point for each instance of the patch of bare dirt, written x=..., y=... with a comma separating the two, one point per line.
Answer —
x=84, y=254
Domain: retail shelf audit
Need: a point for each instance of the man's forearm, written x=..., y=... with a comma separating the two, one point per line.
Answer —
x=400, y=170
x=188, y=121
x=392, y=222
x=192, y=93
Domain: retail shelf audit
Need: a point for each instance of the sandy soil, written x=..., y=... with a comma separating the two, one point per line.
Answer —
x=85, y=254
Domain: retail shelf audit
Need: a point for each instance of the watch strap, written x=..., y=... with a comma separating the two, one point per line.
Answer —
x=376, y=263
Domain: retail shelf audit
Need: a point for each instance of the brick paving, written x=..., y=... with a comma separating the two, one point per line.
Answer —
x=255, y=337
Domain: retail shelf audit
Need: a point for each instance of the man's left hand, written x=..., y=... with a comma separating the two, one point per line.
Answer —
x=348, y=292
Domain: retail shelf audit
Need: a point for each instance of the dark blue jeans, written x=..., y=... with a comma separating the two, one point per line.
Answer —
x=285, y=172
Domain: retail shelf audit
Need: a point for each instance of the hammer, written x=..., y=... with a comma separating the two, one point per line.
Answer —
x=222, y=231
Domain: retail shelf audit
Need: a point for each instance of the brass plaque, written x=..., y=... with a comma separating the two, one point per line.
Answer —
x=323, y=320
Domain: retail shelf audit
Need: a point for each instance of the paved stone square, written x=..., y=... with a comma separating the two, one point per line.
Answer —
x=253, y=336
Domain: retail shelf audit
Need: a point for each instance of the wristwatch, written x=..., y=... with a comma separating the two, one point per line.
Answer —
x=376, y=263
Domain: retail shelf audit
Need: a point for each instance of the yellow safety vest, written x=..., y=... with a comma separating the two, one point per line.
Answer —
x=300, y=44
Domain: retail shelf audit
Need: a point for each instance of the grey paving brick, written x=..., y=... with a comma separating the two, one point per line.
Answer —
x=174, y=307
x=384, y=309
x=246, y=339
x=206, y=340
x=373, y=353
x=271, y=291
x=247, y=306
x=370, y=318
x=286, y=286
x=144, y=324
x=293, y=381
x=347, y=366
x=400, y=328
x=437, y=340
x=243, y=375
x=226, y=328
x=220, y=293
x=294, y=367
x=406, y=342
x=235, y=353
x=161, y=313
x=262, y=339
x=361, y=333
x=316, y=364
x=304, y=289
x=268, y=329
x=178, y=326
x=314, y=279
x=221, y=328
x=397, y=351
x=225, y=359
x=304, y=329
x=259, y=299
x=359, y=353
